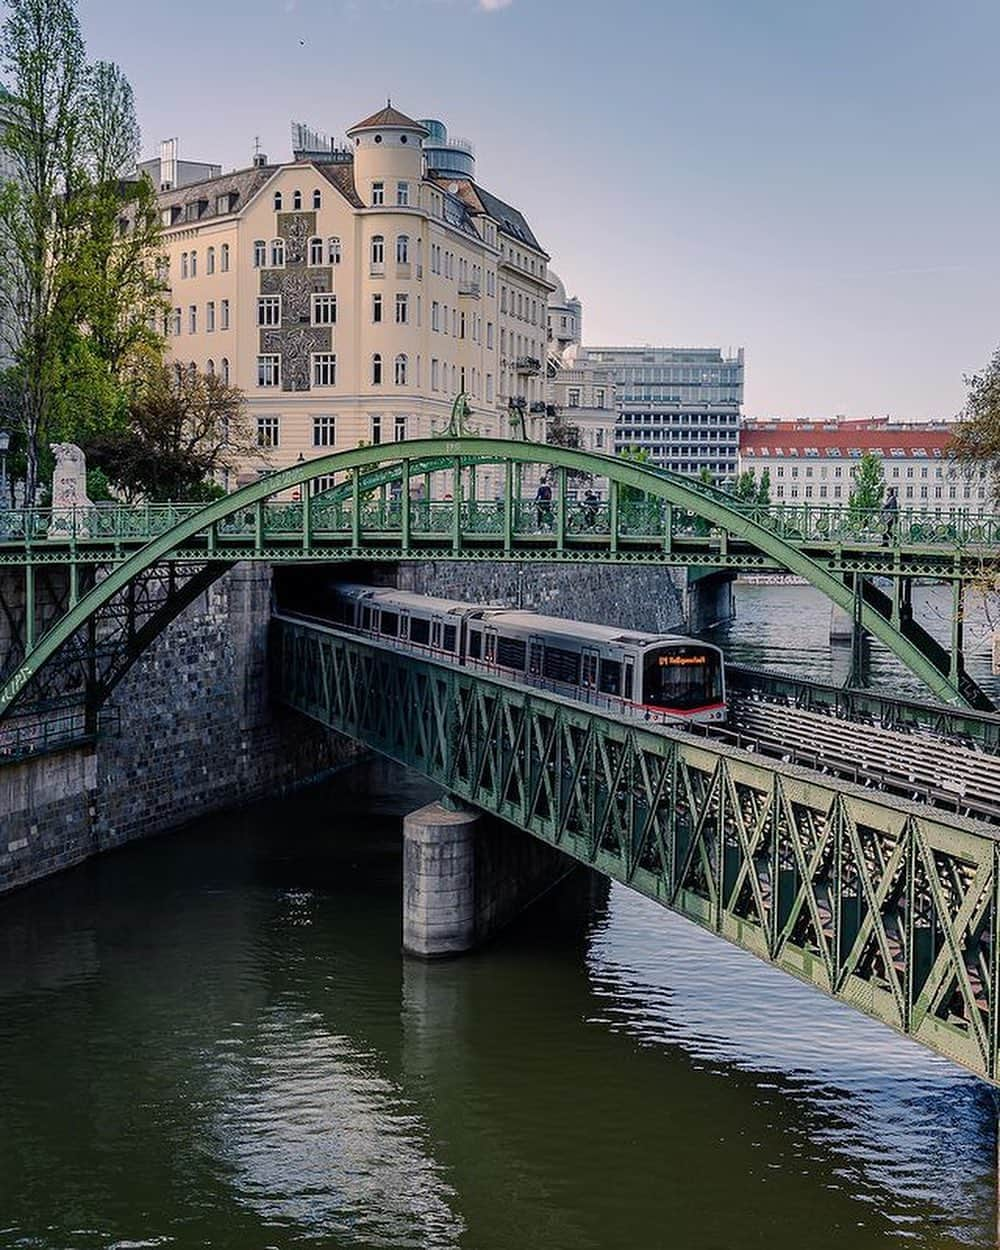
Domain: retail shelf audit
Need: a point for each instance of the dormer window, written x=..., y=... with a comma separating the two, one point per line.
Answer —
x=378, y=194
x=277, y=201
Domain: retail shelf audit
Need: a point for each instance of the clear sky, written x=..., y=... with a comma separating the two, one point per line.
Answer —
x=815, y=180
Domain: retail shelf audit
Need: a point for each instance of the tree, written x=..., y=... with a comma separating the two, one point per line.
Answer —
x=976, y=438
x=42, y=51
x=560, y=433
x=764, y=489
x=182, y=428
x=867, y=488
x=746, y=487
x=637, y=455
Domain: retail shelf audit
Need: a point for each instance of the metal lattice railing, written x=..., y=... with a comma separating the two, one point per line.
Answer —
x=884, y=905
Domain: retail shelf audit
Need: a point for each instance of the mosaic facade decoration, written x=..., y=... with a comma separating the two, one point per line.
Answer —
x=296, y=339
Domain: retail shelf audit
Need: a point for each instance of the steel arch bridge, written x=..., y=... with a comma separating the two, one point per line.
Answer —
x=891, y=907
x=130, y=571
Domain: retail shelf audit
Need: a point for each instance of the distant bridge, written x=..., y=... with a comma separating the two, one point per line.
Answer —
x=888, y=906
x=130, y=571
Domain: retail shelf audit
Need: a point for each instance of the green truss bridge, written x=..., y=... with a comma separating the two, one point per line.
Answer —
x=95, y=586
x=889, y=906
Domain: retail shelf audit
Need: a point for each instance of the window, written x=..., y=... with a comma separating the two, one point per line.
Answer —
x=378, y=193
x=315, y=251
x=210, y=316
x=333, y=251
x=225, y=314
x=377, y=369
x=573, y=397
x=599, y=398
x=400, y=429
x=210, y=368
x=184, y=264
x=268, y=431
x=324, y=431
x=194, y=264
x=259, y=253
x=402, y=309
x=402, y=194
x=324, y=310
x=400, y=370
x=435, y=315
x=324, y=370
x=378, y=251
x=176, y=327
x=193, y=319
x=224, y=258
x=297, y=201
x=376, y=430
x=269, y=371
x=224, y=370
x=376, y=307
x=277, y=201
x=489, y=388
x=317, y=199
x=269, y=310
x=210, y=260
x=402, y=249
x=434, y=374
x=277, y=253
x=489, y=334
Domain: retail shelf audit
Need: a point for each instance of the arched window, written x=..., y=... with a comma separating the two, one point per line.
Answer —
x=400, y=370
x=224, y=258
x=402, y=249
x=210, y=368
x=184, y=264
x=317, y=198
x=259, y=253
x=277, y=201
x=210, y=260
x=378, y=249
x=224, y=370
x=277, y=253
x=333, y=251
x=377, y=369
x=315, y=251
x=297, y=200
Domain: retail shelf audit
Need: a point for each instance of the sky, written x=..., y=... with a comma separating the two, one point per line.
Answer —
x=814, y=180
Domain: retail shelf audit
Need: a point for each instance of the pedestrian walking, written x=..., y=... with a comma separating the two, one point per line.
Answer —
x=890, y=516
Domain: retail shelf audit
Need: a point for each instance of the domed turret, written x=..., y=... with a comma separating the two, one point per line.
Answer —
x=387, y=152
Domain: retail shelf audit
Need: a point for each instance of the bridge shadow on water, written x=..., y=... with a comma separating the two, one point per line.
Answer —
x=212, y=1039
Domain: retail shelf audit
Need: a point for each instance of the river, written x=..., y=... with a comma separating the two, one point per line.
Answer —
x=211, y=1039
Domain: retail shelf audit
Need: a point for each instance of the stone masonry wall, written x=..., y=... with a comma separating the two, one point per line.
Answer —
x=192, y=731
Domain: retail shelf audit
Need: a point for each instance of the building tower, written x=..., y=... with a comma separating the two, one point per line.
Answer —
x=388, y=157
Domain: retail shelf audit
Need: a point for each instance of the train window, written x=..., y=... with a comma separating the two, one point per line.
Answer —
x=390, y=624
x=535, y=659
x=420, y=631
x=511, y=653
x=366, y=618
x=682, y=677
x=560, y=665
x=475, y=644
x=611, y=677
x=590, y=670
x=450, y=637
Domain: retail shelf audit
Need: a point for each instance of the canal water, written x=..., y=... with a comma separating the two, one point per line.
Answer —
x=212, y=1040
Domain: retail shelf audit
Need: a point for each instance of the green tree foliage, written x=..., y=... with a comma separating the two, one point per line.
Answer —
x=637, y=455
x=182, y=428
x=746, y=488
x=764, y=489
x=867, y=488
x=77, y=241
x=976, y=439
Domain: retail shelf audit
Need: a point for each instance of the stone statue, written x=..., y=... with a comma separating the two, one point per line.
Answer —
x=69, y=487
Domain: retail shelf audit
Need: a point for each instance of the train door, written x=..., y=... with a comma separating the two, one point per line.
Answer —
x=435, y=635
x=536, y=650
x=588, y=668
x=630, y=693
x=490, y=644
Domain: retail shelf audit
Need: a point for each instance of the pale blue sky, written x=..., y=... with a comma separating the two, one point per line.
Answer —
x=816, y=180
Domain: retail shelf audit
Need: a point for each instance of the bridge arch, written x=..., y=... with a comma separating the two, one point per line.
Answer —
x=385, y=462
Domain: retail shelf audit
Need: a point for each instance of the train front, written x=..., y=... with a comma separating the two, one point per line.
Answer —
x=685, y=680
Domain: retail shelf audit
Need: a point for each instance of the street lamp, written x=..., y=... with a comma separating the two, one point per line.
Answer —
x=4, y=448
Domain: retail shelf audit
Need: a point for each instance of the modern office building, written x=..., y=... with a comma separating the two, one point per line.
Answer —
x=353, y=292
x=680, y=404
x=815, y=461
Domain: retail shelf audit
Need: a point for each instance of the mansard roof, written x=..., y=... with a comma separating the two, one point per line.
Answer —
x=478, y=200
x=241, y=186
x=388, y=117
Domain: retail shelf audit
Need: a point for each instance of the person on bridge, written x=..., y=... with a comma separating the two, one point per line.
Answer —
x=543, y=504
x=589, y=510
x=890, y=516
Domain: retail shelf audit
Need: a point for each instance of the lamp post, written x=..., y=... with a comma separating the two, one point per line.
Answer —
x=4, y=448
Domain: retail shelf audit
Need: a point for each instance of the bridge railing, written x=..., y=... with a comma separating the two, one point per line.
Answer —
x=804, y=523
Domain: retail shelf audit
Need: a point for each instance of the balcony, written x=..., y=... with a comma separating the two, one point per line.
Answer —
x=528, y=365
x=469, y=289
x=377, y=269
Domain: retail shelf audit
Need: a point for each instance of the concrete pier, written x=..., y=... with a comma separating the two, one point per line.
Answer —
x=465, y=876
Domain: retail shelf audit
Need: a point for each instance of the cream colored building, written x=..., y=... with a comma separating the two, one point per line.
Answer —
x=352, y=298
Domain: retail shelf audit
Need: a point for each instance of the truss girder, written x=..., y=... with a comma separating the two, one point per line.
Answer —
x=677, y=511
x=879, y=903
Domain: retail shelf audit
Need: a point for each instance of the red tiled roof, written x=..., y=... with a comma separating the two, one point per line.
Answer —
x=842, y=440
x=388, y=117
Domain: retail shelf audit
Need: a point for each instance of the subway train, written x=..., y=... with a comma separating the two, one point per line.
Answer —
x=651, y=677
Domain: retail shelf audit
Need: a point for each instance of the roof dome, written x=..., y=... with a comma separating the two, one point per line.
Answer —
x=558, y=296
x=391, y=118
